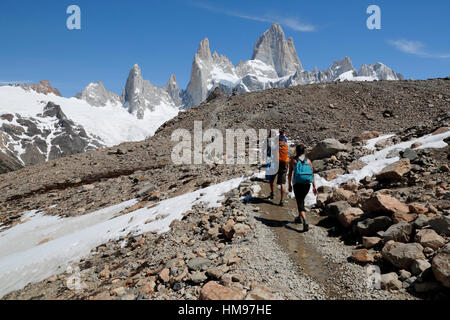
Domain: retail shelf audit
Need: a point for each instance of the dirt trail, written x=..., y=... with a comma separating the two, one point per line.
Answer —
x=291, y=239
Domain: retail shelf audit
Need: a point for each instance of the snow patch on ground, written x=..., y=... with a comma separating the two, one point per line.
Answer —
x=23, y=260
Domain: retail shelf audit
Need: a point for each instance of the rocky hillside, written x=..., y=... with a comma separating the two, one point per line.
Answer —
x=372, y=212
x=48, y=136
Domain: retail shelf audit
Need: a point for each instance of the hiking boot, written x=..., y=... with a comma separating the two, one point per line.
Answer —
x=271, y=196
x=298, y=219
x=282, y=203
x=305, y=227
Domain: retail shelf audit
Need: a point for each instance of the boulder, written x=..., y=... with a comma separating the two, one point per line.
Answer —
x=362, y=255
x=389, y=281
x=370, y=227
x=319, y=165
x=326, y=149
x=341, y=194
x=260, y=293
x=322, y=199
x=217, y=272
x=198, y=277
x=384, y=204
x=402, y=255
x=370, y=242
x=403, y=217
x=404, y=274
x=395, y=171
x=441, y=266
x=350, y=186
x=347, y=216
x=240, y=230
x=409, y=154
x=333, y=209
x=198, y=263
x=331, y=174
x=421, y=222
x=355, y=165
x=399, y=232
x=419, y=266
x=441, y=225
x=227, y=229
x=214, y=291
x=417, y=208
x=428, y=238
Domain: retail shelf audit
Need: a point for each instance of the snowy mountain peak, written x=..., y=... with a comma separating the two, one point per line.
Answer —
x=173, y=90
x=203, y=52
x=135, y=70
x=96, y=95
x=140, y=95
x=343, y=65
x=379, y=70
x=273, y=49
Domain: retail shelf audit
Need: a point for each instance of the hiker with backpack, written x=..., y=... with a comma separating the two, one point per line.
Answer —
x=301, y=176
x=283, y=165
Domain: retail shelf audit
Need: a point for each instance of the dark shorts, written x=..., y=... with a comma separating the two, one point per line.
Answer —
x=300, y=191
x=282, y=173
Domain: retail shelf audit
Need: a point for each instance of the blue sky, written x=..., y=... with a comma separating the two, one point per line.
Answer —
x=163, y=36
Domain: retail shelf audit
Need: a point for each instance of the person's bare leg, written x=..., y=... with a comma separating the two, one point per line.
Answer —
x=283, y=192
x=303, y=215
x=271, y=182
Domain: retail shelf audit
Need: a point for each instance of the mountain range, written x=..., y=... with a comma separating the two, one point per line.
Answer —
x=37, y=124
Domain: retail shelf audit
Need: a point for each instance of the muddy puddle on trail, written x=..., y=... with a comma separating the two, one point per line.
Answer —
x=292, y=240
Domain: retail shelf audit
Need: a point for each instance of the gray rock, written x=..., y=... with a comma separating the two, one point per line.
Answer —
x=402, y=255
x=389, y=281
x=326, y=149
x=370, y=227
x=197, y=264
x=399, y=232
x=198, y=277
x=429, y=239
x=404, y=275
x=146, y=190
x=409, y=154
x=333, y=209
x=217, y=272
x=441, y=225
x=421, y=222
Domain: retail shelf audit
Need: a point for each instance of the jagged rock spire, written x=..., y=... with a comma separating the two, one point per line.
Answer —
x=273, y=49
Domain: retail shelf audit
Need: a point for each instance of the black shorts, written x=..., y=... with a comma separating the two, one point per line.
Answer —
x=282, y=173
x=301, y=191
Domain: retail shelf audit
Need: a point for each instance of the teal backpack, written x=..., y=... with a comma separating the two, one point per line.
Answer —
x=303, y=172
